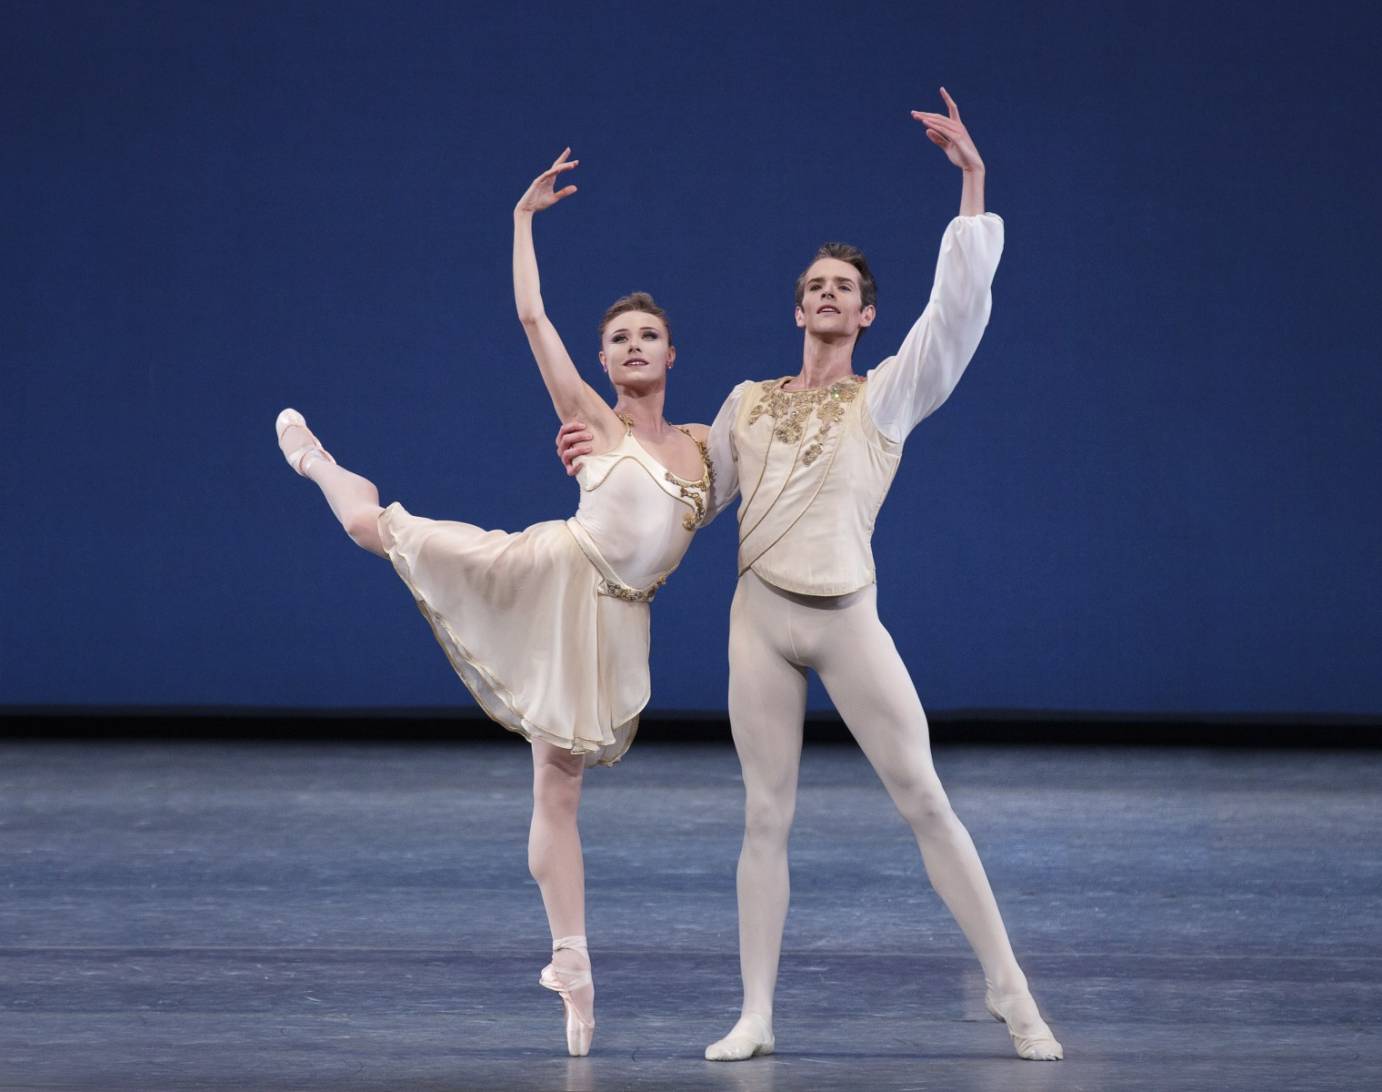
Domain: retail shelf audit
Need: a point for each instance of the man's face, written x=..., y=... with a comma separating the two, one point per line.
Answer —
x=830, y=306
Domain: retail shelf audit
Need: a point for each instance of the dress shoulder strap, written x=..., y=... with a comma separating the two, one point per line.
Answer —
x=701, y=444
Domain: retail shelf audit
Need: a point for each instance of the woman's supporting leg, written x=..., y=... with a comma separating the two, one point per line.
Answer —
x=554, y=859
x=870, y=686
x=353, y=499
x=554, y=839
x=767, y=701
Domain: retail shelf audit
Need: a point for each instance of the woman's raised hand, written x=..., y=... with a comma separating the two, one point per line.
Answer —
x=950, y=135
x=543, y=193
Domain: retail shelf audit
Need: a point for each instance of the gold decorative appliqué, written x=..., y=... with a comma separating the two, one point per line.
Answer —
x=695, y=493
x=791, y=411
x=631, y=595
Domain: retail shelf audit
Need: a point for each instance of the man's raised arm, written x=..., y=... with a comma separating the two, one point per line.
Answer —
x=909, y=386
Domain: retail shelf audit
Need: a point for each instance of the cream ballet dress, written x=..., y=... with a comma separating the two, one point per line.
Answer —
x=548, y=627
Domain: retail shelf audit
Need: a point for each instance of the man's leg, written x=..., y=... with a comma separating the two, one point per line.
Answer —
x=767, y=701
x=870, y=686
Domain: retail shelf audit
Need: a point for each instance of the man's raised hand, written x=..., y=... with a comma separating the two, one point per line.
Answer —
x=948, y=133
x=574, y=439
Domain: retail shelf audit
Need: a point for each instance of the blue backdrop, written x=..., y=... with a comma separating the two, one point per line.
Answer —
x=1153, y=491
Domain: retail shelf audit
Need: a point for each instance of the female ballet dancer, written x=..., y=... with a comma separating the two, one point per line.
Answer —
x=548, y=627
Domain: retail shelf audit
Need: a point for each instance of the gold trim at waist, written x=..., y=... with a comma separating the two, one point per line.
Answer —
x=610, y=585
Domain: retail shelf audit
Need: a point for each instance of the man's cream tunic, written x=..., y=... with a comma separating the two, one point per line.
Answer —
x=813, y=466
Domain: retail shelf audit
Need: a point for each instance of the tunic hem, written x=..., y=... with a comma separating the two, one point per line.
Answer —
x=800, y=588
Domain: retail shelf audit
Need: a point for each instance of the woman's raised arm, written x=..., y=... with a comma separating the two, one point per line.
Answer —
x=571, y=395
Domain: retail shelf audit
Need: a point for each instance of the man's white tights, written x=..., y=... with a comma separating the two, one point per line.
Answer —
x=775, y=637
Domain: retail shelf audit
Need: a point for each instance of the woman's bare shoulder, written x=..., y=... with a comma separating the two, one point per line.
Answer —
x=698, y=432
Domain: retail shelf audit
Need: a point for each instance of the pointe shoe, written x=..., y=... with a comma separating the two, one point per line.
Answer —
x=750, y=1037
x=298, y=456
x=579, y=1030
x=1035, y=1042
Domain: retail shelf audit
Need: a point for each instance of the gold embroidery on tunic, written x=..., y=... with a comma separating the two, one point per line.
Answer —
x=791, y=411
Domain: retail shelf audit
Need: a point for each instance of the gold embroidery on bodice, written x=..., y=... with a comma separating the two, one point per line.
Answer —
x=694, y=493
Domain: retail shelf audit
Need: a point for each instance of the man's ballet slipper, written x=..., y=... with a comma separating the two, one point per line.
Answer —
x=750, y=1037
x=298, y=456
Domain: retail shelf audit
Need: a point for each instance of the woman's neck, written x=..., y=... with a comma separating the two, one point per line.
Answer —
x=644, y=410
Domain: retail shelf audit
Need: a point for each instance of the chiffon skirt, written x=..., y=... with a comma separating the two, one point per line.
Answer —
x=520, y=617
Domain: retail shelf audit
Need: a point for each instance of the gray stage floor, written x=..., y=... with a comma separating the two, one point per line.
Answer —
x=218, y=916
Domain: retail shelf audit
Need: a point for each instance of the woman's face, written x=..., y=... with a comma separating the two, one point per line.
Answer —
x=634, y=349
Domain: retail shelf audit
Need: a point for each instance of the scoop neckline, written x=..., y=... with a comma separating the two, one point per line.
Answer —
x=702, y=482
x=670, y=472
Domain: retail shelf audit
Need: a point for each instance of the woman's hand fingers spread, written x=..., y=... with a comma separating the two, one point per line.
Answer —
x=557, y=168
x=950, y=104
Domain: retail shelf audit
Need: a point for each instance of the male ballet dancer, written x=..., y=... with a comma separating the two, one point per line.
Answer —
x=812, y=456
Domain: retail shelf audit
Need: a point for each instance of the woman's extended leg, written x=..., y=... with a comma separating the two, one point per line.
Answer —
x=554, y=859
x=870, y=686
x=353, y=499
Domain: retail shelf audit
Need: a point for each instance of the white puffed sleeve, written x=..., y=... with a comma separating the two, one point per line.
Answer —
x=911, y=385
x=723, y=459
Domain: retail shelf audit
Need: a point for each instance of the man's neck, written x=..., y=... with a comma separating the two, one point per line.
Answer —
x=824, y=363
